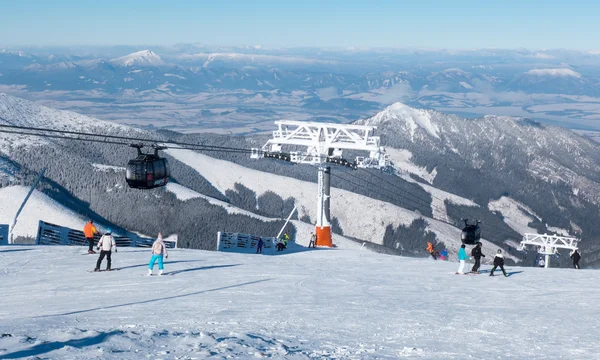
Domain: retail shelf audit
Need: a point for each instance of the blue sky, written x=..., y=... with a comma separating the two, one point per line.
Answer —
x=454, y=24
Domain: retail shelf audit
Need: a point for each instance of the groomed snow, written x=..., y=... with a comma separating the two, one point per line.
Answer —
x=38, y=207
x=323, y=304
x=554, y=72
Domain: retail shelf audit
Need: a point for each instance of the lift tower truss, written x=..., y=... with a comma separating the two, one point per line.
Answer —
x=548, y=244
x=321, y=144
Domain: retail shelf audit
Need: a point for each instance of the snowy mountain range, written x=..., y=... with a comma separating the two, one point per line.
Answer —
x=515, y=175
x=248, y=87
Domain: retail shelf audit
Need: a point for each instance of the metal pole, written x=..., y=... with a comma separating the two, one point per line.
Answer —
x=14, y=222
x=286, y=222
x=547, y=261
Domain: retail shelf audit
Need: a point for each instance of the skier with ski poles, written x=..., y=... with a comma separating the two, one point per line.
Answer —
x=105, y=245
x=159, y=250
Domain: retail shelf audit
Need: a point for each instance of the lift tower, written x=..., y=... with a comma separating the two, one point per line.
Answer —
x=548, y=244
x=322, y=144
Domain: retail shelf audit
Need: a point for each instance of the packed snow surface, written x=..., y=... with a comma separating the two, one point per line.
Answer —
x=554, y=72
x=319, y=304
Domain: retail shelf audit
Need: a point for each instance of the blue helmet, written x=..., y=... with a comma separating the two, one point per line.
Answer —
x=108, y=231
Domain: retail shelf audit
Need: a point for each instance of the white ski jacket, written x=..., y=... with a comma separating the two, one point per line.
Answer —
x=159, y=248
x=106, y=243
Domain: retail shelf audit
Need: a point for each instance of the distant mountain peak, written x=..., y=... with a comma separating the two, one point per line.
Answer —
x=562, y=72
x=144, y=57
x=401, y=113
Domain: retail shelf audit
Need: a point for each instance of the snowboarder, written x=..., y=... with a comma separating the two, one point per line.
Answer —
x=431, y=250
x=476, y=254
x=105, y=245
x=89, y=230
x=313, y=241
x=259, y=246
x=498, y=262
x=462, y=256
x=444, y=255
x=541, y=262
x=158, y=251
x=576, y=256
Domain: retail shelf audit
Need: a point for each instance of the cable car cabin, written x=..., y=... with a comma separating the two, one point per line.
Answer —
x=147, y=171
x=471, y=234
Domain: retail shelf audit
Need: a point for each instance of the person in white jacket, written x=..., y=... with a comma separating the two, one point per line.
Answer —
x=105, y=245
x=158, y=251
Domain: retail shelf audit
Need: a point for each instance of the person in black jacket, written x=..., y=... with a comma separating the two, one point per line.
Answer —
x=576, y=256
x=498, y=262
x=476, y=254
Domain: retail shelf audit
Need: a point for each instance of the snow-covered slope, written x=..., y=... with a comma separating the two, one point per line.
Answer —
x=323, y=304
x=16, y=111
x=368, y=224
x=140, y=58
x=38, y=207
x=303, y=230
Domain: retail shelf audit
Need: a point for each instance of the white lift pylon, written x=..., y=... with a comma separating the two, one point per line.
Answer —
x=548, y=244
x=322, y=144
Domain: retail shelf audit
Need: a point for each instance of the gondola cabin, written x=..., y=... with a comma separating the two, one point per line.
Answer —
x=147, y=171
x=471, y=233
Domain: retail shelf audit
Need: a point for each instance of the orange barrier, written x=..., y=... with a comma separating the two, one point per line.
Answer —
x=324, y=236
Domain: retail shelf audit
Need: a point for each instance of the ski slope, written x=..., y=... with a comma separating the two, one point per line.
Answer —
x=369, y=223
x=39, y=207
x=323, y=304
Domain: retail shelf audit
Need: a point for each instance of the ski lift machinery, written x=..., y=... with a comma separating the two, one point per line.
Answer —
x=548, y=244
x=147, y=171
x=323, y=144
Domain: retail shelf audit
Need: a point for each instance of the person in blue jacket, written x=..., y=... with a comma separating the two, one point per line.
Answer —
x=462, y=256
x=259, y=246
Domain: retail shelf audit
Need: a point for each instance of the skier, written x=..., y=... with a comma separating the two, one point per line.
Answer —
x=106, y=243
x=313, y=241
x=576, y=256
x=541, y=262
x=259, y=246
x=158, y=251
x=462, y=256
x=498, y=262
x=444, y=254
x=89, y=230
x=431, y=250
x=476, y=254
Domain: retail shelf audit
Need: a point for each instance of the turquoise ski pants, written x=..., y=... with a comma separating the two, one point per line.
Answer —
x=153, y=260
